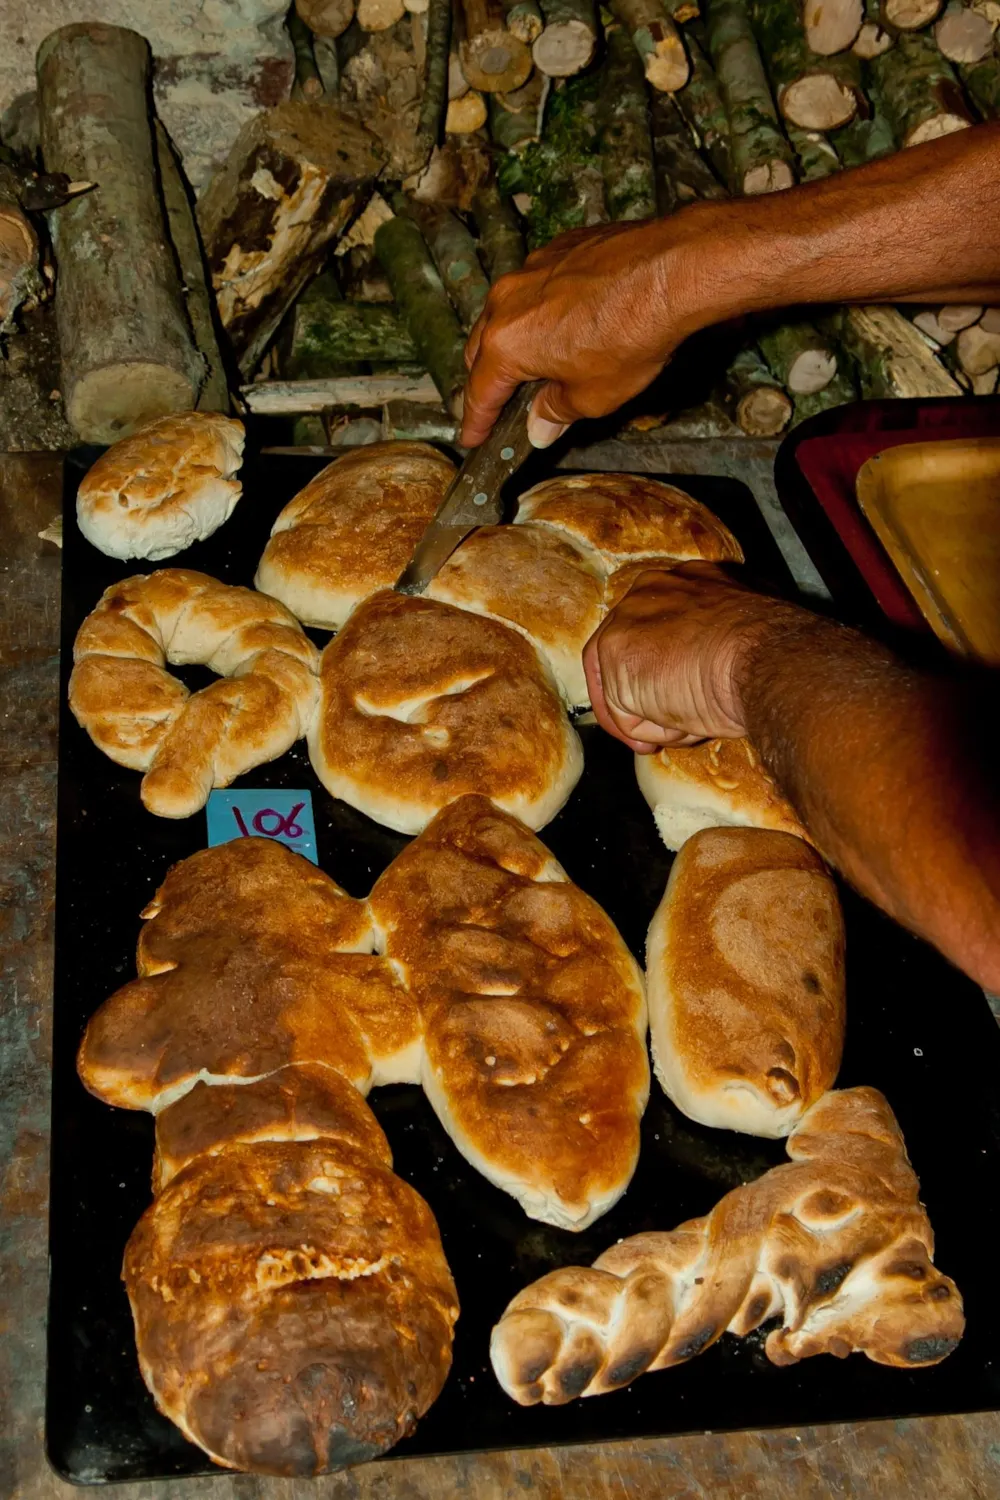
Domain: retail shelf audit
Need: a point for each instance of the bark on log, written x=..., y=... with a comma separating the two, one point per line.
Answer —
x=436, y=91
x=910, y=15
x=412, y=422
x=328, y=335
x=890, y=356
x=423, y=303
x=524, y=20
x=308, y=84
x=454, y=174
x=683, y=10
x=831, y=26
x=516, y=118
x=20, y=279
x=326, y=17
x=381, y=87
x=840, y=392
x=453, y=251
x=303, y=356
x=799, y=357
x=978, y=350
x=362, y=279
x=816, y=156
x=761, y=155
x=32, y=417
x=501, y=242
x=815, y=93
x=700, y=102
x=568, y=40
x=982, y=80
x=327, y=64
x=682, y=173
x=625, y=144
x=758, y=403
x=964, y=35
x=561, y=174
x=289, y=398
x=466, y=115
x=126, y=344
x=864, y=140
x=493, y=60
x=657, y=41
x=195, y=279
x=917, y=91
x=295, y=177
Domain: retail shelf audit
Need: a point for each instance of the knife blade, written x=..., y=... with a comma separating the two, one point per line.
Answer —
x=473, y=498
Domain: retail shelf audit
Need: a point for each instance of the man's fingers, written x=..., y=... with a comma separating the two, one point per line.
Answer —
x=475, y=339
x=487, y=391
x=551, y=413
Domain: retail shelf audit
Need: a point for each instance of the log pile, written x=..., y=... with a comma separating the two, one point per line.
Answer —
x=342, y=255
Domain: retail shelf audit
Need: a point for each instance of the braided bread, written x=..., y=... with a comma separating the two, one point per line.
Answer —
x=835, y=1242
x=710, y=785
x=142, y=717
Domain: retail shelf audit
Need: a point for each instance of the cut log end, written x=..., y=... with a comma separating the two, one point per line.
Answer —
x=18, y=258
x=417, y=7
x=955, y=316
x=982, y=385
x=990, y=320
x=667, y=67
x=113, y=402
x=812, y=371
x=935, y=127
x=458, y=84
x=565, y=48
x=872, y=41
x=911, y=15
x=978, y=351
x=764, y=412
x=326, y=17
x=495, y=62
x=964, y=35
x=832, y=25
x=930, y=325
x=818, y=102
x=379, y=15
x=768, y=177
x=466, y=114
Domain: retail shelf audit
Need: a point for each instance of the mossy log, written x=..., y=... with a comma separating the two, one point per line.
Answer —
x=890, y=357
x=453, y=251
x=798, y=356
x=516, y=118
x=657, y=41
x=761, y=156
x=840, y=392
x=813, y=92
x=700, y=102
x=864, y=140
x=424, y=305
x=436, y=87
x=493, y=59
x=918, y=92
x=501, y=242
x=413, y=422
x=759, y=405
x=682, y=173
x=982, y=81
x=560, y=175
x=568, y=40
x=127, y=350
x=815, y=156
x=625, y=144
x=329, y=336
x=831, y=26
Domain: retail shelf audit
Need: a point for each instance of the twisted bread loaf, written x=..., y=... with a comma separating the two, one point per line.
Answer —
x=836, y=1243
x=711, y=785
x=168, y=485
x=144, y=718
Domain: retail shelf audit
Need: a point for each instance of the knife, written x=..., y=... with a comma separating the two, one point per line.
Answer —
x=473, y=498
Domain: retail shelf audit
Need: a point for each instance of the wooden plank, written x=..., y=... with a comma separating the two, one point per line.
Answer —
x=285, y=398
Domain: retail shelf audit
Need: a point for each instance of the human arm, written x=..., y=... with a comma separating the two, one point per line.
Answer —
x=883, y=763
x=598, y=312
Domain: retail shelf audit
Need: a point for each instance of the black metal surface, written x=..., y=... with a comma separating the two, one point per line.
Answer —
x=916, y=1029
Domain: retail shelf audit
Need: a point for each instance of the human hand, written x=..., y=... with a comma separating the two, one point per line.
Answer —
x=664, y=667
x=595, y=314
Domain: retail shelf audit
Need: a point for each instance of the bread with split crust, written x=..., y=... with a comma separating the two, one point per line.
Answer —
x=714, y=784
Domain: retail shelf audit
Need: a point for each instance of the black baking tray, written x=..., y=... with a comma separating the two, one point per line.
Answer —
x=916, y=1029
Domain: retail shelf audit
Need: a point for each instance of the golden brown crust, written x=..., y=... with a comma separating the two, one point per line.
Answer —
x=251, y=959
x=293, y=1307
x=422, y=703
x=745, y=967
x=624, y=516
x=168, y=485
x=298, y=1103
x=713, y=784
x=122, y=695
x=351, y=531
x=533, y=1011
x=836, y=1242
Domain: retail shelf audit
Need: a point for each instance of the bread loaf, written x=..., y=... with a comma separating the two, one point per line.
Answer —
x=142, y=717
x=422, y=703
x=170, y=484
x=835, y=1243
x=532, y=1007
x=710, y=785
x=745, y=969
x=351, y=531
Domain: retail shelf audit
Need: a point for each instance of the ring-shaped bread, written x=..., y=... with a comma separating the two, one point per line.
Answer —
x=143, y=717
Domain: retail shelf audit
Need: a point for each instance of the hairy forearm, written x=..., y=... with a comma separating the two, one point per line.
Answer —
x=884, y=767
x=917, y=226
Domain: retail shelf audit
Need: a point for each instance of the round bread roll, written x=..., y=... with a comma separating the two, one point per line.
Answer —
x=625, y=517
x=745, y=981
x=142, y=717
x=167, y=486
x=539, y=582
x=715, y=784
x=421, y=703
x=352, y=530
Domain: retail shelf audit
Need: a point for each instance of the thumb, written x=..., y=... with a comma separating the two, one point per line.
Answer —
x=550, y=415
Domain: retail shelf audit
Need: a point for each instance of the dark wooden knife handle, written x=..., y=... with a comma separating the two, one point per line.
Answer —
x=488, y=467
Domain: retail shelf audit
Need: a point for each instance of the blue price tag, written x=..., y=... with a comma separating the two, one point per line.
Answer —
x=282, y=815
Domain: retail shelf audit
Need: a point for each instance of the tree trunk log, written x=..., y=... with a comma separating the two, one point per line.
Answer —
x=289, y=398
x=815, y=93
x=891, y=357
x=910, y=15
x=32, y=417
x=516, y=118
x=379, y=15
x=799, y=357
x=296, y=176
x=326, y=17
x=761, y=156
x=700, y=102
x=757, y=401
x=424, y=305
x=308, y=84
x=626, y=147
x=524, y=20
x=195, y=279
x=978, y=351
x=864, y=140
x=816, y=157
x=569, y=38
x=500, y=239
x=964, y=35
x=561, y=175
x=917, y=91
x=19, y=275
x=436, y=89
x=466, y=115
x=875, y=36
x=126, y=345
x=983, y=83
x=328, y=336
x=682, y=174
x=493, y=60
x=840, y=392
x=657, y=41
x=831, y=26
x=411, y=422
x=453, y=251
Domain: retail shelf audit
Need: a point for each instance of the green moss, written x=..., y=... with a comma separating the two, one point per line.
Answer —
x=555, y=171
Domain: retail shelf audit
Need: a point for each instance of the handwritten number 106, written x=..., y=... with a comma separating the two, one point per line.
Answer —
x=283, y=824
